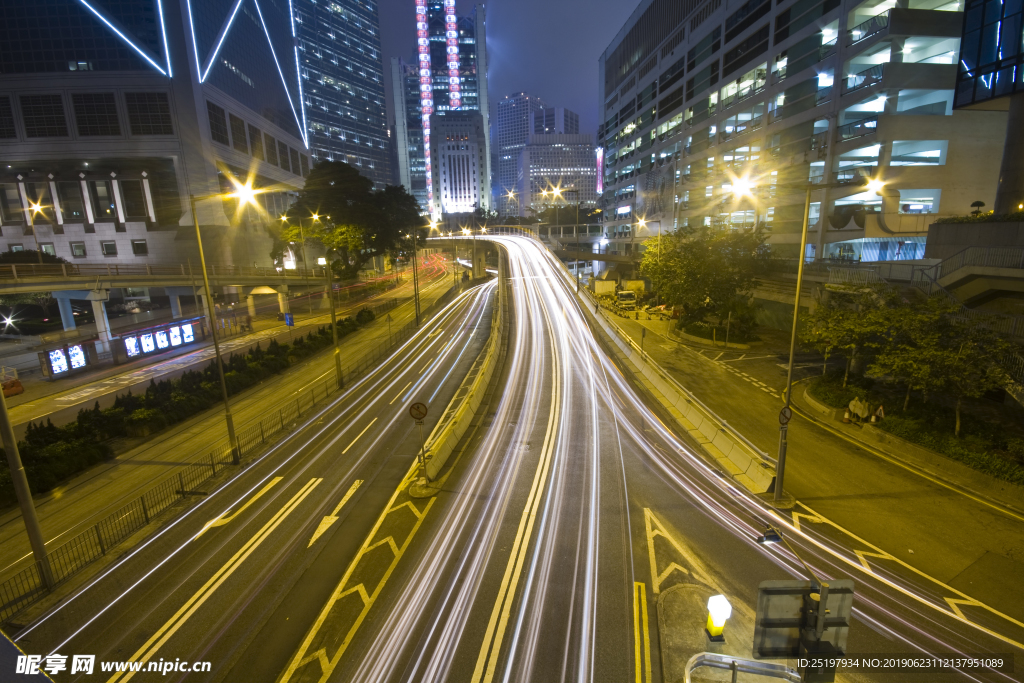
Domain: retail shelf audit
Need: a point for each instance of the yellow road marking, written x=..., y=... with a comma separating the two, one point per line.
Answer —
x=222, y=520
x=164, y=633
x=640, y=627
x=328, y=664
x=399, y=394
x=510, y=580
x=357, y=437
x=862, y=563
x=330, y=519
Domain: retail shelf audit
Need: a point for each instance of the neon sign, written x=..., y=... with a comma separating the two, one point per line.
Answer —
x=426, y=87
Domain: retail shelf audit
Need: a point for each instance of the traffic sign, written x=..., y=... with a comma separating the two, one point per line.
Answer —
x=289, y=320
x=418, y=411
x=785, y=415
x=787, y=615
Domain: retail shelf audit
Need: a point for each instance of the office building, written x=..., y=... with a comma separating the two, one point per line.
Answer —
x=343, y=84
x=557, y=160
x=697, y=94
x=449, y=76
x=554, y=120
x=105, y=133
x=459, y=161
x=514, y=124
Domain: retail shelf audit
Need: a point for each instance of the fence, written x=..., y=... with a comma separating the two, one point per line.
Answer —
x=22, y=589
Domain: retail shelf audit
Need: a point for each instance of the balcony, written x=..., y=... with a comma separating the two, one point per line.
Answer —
x=864, y=79
x=827, y=49
x=857, y=129
x=867, y=29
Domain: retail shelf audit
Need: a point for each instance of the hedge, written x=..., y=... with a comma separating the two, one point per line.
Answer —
x=53, y=454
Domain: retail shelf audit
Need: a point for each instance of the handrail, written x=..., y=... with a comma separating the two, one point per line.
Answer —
x=857, y=129
x=866, y=29
x=737, y=665
x=864, y=79
x=992, y=257
x=19, y=271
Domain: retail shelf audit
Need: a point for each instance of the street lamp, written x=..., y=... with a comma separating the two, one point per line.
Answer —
x=245, y=194
x=415, y=278
x=872, y=184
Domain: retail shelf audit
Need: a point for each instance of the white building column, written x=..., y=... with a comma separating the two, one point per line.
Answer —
x=282, y=302
x=250, y=302
x=175, y=306
x=99, y=313
x=67, y=314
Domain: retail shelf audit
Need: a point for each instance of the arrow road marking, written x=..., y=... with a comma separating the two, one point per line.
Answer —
x=330, y=519
x=222, y=520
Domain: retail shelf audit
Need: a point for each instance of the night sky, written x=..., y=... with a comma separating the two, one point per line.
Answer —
x=547, y=48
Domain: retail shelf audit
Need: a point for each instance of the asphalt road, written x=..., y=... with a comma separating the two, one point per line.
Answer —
x=569, y=510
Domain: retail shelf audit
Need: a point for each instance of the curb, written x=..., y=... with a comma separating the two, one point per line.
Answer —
x=924, y=462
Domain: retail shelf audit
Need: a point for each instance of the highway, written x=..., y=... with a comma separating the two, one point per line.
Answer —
x=569, y=513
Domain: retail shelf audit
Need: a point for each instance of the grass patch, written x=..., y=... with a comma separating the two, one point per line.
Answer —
x=991, y=439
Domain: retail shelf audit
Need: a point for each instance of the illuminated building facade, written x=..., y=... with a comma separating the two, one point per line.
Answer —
x=343, y=84
x=562, y=160
x=694, y=94
x=449, y=76
x=458, y=162
x=514, y=124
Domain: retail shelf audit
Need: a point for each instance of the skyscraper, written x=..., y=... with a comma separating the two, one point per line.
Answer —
x=514, y=127
x=343, y=83
x=562, y=160
x=450, y=76
x=412, y=170
x=555, y=120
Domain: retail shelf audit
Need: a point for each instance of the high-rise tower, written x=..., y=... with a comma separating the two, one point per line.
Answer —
x=514, y=127
x=450, y=75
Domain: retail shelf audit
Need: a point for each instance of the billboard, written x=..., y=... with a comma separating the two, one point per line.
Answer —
x=600, y=170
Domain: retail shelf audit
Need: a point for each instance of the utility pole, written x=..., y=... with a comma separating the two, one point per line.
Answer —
x=334, y=324
x=415, y=278
x=24, y=494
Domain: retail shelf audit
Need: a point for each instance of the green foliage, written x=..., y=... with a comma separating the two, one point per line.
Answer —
x=30, y=256
x=365, y=316
x=988, y=217
x=353, y=220
x=984, y=444
x=703, y=271
x=53, y=454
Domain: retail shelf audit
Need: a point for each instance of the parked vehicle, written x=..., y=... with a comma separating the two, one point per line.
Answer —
x=626, y=300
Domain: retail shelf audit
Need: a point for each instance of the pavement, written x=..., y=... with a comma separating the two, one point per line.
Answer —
x=93, y=494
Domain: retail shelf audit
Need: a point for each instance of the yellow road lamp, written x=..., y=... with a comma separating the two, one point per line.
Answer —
x=245, y=194
x=719, y=611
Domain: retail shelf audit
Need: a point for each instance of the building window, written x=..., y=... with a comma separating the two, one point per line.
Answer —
x=6, y=119
x=78, y=249
x=44, y=116
x=218, y=125
x=271, y=150
x=134, y=200
x=238, y=134
x=149, y=113
x=294, y=155
x=47, y=248
x=95, y=114
x=39, y=202
x=305, y=164
x=108, y=248
x=282, y=153
x=256, y=143
x=139, y=247
x=71, y=204
x=102, y=197
x=10, y=204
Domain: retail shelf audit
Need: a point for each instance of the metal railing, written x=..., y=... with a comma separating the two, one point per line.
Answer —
x=18, y=271
x=990, y=257
x=866, y=29
x=864, y=79
x=25, y=587
x=738, y=665
x=858, y=128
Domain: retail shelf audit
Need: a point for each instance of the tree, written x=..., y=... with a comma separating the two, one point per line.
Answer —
x=977, y=206
x=30, y=256
x=339, y=210
x=702, y=270
x=904, y=334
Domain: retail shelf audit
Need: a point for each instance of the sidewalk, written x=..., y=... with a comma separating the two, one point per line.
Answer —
x=60, y=400
x=965, y=541
x=95, y=493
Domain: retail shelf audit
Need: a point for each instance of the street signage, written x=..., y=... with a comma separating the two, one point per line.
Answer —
x=785, y=415
x=289, y=320
x=418, y=411
x=783, y=618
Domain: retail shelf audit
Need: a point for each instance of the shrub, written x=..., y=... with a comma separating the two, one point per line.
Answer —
x=365, y=316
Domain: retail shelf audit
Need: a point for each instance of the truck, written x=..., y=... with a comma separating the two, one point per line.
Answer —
x=626, y=299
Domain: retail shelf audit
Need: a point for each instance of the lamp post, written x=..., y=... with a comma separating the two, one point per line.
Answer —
x=245, y=194
x=780, y=467
x=334, y=323
x=415, y=278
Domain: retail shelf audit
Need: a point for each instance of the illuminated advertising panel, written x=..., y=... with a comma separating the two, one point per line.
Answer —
x=58, y=361
x=186, y=333
x=426, y=87
x=161, y=340
x=77, y=356
x=131, y=346
x=147, y=343
x=175, y=333
x=600, y=169
x=451, y=33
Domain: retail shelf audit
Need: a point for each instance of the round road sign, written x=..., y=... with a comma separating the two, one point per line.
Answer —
x=418, y=411
x=785, y=415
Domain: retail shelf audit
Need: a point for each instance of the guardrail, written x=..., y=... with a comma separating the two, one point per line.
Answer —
x=988, y=257
x=866, y=29
x=18, y=271
x=26, y=587
x=738, y=665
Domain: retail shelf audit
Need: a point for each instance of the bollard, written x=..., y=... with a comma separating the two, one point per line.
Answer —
x=213, y=464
